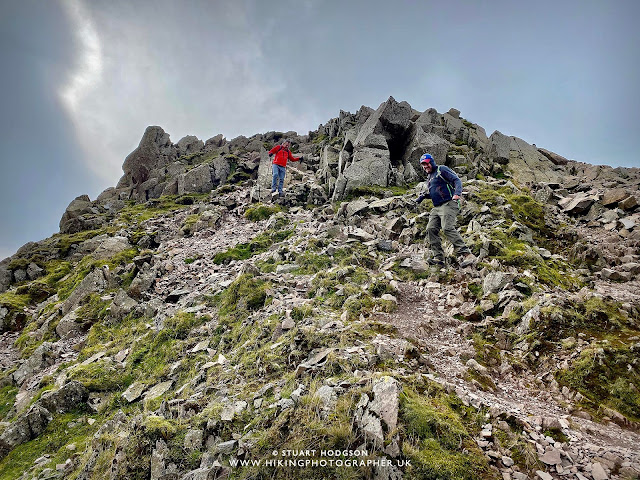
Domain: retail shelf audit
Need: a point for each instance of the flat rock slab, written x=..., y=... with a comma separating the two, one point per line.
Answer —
x=158, y=390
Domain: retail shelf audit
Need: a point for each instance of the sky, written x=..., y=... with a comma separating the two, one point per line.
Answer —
x=82, y=79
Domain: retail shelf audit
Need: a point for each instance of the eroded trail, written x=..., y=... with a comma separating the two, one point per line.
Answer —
x=423, y=317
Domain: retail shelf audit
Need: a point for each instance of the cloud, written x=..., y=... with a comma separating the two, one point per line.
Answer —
x=206, y=77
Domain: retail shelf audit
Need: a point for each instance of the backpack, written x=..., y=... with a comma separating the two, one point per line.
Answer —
x=450, y=186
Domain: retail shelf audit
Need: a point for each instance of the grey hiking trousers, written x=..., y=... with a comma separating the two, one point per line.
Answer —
x=445, y=217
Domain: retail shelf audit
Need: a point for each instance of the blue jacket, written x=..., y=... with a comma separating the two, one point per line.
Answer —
x=442, y=185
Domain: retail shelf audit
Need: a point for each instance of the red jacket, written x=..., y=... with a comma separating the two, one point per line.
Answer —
x=282, y=155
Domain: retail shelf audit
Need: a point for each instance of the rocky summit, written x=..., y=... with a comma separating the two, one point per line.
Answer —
x=183, y=325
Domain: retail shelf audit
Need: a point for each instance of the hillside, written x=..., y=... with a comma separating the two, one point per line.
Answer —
x=183, y=326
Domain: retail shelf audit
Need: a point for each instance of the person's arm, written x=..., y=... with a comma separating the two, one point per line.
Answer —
x=274, y=150
x=292, y=158
x=450, y=176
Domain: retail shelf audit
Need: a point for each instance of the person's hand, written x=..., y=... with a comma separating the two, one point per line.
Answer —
x=456, y=197
x=301, y=158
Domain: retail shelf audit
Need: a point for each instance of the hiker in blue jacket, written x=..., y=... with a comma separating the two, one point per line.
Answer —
x=444, y=189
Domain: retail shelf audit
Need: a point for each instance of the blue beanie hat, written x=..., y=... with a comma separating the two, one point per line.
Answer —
x=426, y=158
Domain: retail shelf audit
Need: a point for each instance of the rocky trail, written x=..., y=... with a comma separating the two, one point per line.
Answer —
x=422, y=317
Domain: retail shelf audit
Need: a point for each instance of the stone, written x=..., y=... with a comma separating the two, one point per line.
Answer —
x=103, y=247
x=226, y=448
x=627, y=223
x=154, y=150
x=551, y=456
x=70, y=325
x=188, y=145
x=579, y=205
x=34, y=271
x=193, y=439
x=357, y=207
x=613, y=196
x=197, y=180
x=122, y=305
x=78, y=206
x=143, y=282
x=372, y=428
x=598, y=472
x=495, y=281
x=42, y=357
x=385, y=401
x=554, y=157
x=327, y=396
x=158, y=390
x=507, y=461
x=543, y=475
x=95, y=282
x=67, y=398
x=134, y=392
x=5, y=279
x=26, y=427
x=629, y=203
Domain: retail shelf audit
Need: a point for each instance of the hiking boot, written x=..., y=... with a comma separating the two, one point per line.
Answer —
x=281, y=195
x=274, y=195
x=436, y=262
x=469, y=259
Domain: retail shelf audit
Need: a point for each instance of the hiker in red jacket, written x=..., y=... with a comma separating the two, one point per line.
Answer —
x=279, y=167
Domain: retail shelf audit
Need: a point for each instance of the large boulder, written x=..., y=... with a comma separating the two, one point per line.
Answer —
x=370, y=166
x=27, y=427
x=95, y=282
x=67, y=398
x=391, y=120
x=526, y=163
x=189, y=145
x=197, y=180
x=5, y=279
x=155, y=150
x=71, y=221
x=43, y=356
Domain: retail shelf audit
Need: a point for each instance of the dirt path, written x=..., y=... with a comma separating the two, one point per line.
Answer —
x=422, y=316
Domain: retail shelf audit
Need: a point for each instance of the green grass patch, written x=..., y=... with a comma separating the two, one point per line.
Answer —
x=261, y=212
x=7, y=399
x=438, y=441
x=260, y=243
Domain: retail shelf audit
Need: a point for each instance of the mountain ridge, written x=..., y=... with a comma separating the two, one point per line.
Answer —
x=179, y=323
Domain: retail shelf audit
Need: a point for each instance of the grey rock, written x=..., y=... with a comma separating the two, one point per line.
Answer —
x=372, y=428
x=357, y=207
x=629, y=203
x=193, y=439
x=20, y=275
x=528, y=318
x=197, y=180
x=26, y=427
x=543, y=475
x=78, y=206
x=627, y=223
x=103, y=246
x=158, y=390
x=142, y=283
x=496, y=281
x=551, y=456
x=43, y=356
x=578, y=205
x=34, y=271
x=70, y=325
x=5, y=279
x=134, y=392
x=385, y=401
x=613, y=196
x=155, y=150
x=95, y=282
x=327, y=396
x=188, y=145
x=226, y=448
x=122, y=305
x=554, y=157
x=67, y=398
x=598, y=472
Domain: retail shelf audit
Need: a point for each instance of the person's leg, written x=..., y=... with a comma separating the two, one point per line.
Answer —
x=433, y=234
x=281, y=173
x=449, y=227
x=274, y=177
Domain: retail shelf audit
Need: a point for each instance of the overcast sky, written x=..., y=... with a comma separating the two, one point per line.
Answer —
x=82, y=79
